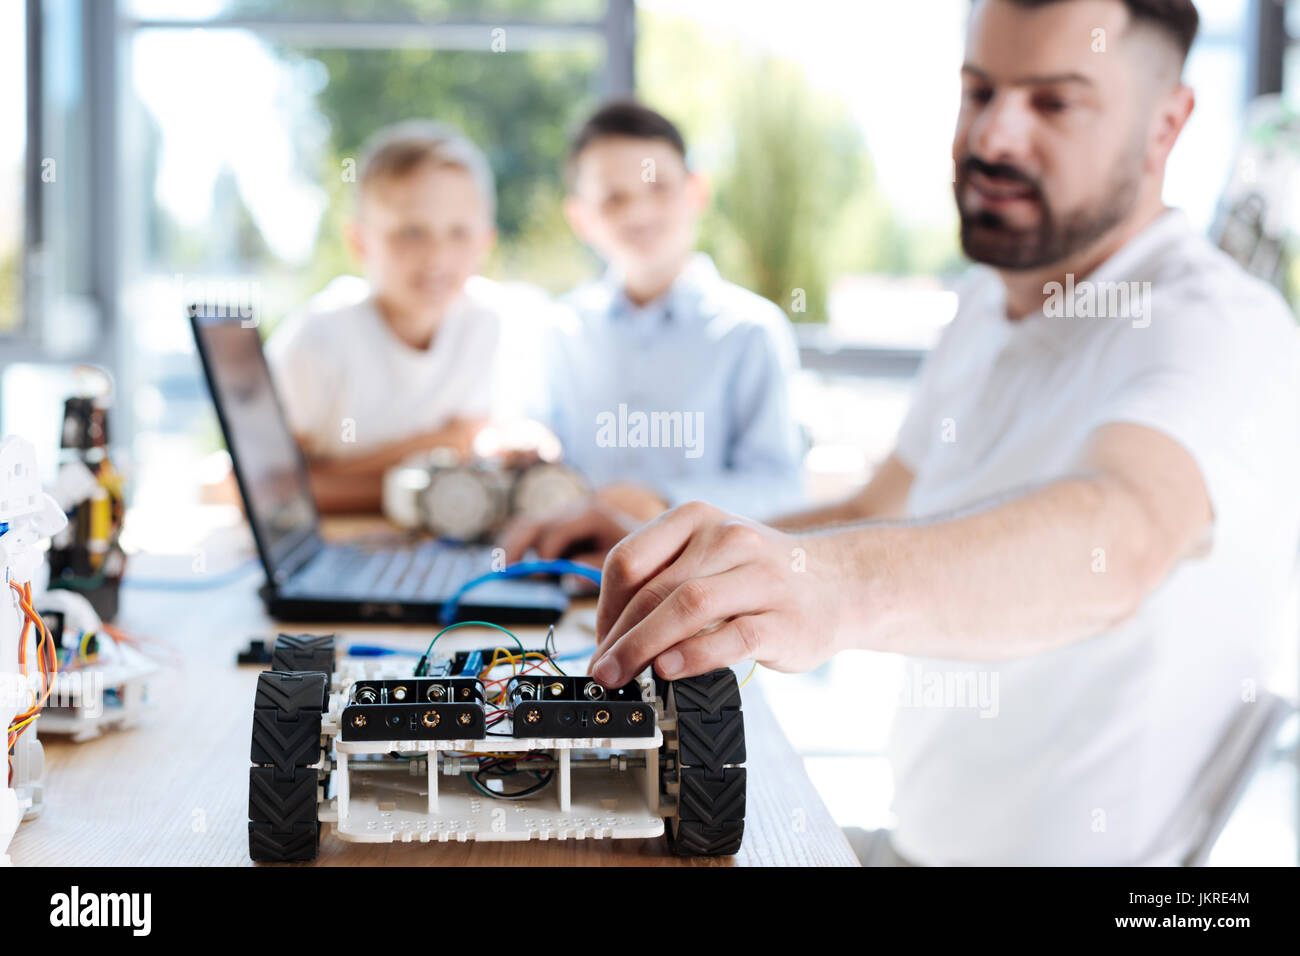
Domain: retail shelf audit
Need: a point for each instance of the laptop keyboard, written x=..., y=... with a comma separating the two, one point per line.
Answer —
x=429, y=572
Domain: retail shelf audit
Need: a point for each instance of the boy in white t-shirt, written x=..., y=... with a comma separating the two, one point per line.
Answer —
x=408, y=367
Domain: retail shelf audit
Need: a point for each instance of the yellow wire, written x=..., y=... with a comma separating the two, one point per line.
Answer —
x=751, y=674
x=496, y=656
x=43, y=637
x=514, y=660
x=14, y=728
x=530, y=656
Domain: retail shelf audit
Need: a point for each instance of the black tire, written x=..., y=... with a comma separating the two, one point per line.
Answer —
x=298, y=844
x=283, y=786
x=282, y=822
x=704, y=760
x=303, y=652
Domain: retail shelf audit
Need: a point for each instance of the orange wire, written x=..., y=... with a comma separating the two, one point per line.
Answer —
x=499, y=695
x=47, y=661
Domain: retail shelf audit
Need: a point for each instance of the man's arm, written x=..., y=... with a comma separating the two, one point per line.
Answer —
x=698, y=589
x=613, y=512
x=355, y=484
x=884, y=496
x=1049, y=566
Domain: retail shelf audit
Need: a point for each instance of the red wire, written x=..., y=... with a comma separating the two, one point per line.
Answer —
x=502, y=680
x=46, y=662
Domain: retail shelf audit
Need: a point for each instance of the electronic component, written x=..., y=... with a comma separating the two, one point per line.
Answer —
x=545, y=487
x=468, y=662
x=86, y=556
x=470, y=501
x=256, y=653
x=465, y=502
x=102, y=681
x=418, y=708
x=558, y=706
x=395, y=753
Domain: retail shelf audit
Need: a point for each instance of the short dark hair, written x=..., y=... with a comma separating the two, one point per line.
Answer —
x=1177, y=19
x=622, y=118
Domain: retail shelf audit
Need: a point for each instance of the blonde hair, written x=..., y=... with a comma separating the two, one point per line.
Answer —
x=396, y=150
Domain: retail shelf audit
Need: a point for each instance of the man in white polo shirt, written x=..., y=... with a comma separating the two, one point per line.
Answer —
x=1095, y=499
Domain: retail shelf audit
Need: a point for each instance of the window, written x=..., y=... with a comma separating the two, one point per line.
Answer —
x=233, y=179
x=13, y=163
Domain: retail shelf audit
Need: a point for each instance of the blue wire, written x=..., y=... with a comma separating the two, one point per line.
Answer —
x=520, y=570
x=193, y=584
x=376, y=650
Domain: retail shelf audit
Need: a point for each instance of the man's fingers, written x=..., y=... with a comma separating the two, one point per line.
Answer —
x=710, y=551
x=653, y=593
x=642, y=555
x=730, y=644
x=695, y=605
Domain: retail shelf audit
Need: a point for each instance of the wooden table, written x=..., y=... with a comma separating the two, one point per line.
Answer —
x=174, y=791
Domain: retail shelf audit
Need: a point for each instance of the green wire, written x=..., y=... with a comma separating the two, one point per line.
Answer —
x=419, y=670
x=552, y=651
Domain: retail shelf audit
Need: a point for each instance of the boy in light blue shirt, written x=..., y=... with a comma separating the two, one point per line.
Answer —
x=666, y=383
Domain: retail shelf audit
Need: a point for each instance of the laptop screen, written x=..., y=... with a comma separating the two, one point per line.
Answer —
x=268, y=464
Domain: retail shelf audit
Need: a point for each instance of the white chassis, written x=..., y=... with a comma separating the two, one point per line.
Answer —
x=379, y=799
x=77, y=703
x=28, y=515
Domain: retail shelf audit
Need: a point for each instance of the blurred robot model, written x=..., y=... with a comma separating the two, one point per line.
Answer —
x=1259, y=212
x=471, y=501
x=103, y=675
x=86, y=556
x=28, y=657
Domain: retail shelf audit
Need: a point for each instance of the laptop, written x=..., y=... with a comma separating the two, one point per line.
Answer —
x=308, y=578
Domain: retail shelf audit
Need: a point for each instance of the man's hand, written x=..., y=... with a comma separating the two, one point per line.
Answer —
x=699, y=589
x=588, y=528
x=632, y=499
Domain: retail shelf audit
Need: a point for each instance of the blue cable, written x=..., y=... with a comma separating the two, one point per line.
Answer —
x=194, y=584
x=376, y=650
x=520, y=570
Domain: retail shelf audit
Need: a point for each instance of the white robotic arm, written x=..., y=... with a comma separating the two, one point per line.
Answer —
x=27, y=515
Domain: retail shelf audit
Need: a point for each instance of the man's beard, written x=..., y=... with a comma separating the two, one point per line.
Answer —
x=985, y=236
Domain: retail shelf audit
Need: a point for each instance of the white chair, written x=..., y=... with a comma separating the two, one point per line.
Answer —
x=1224, y=778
